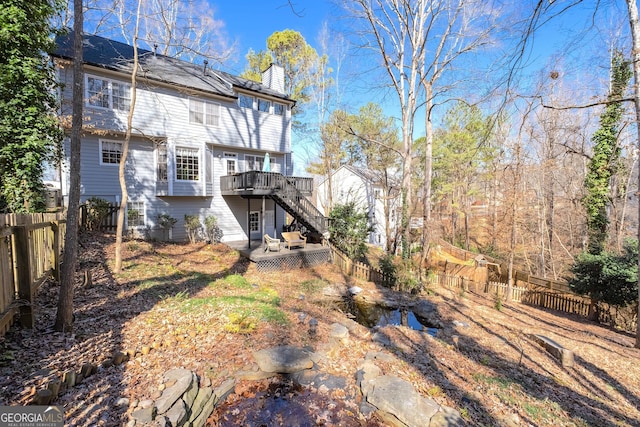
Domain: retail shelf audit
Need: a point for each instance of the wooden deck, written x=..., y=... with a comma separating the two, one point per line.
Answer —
x=297, y=257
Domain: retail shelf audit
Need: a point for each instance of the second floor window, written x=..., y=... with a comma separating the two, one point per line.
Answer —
x=106, y=93
x=264, y=105
x=245, y=101
x=110, y=152
x=278, y=109
x=187, y=164
x=204, y=113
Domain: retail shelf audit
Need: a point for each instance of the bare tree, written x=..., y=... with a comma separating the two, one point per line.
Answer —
x=125, y=146
x=64, y=314
x=635, y=61
x=185, y=29
x=419, y=41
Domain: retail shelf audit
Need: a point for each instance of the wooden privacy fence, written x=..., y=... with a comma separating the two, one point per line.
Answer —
x=493, y=288
x=561, y=302
x=30, y=250
x=107, y=222
x=357, y=269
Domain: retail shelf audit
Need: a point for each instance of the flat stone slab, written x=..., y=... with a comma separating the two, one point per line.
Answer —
x=283, y=359
x=565, y=356
x=398, y=397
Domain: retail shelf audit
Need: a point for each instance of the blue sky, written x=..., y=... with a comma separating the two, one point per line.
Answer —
x=251, y=22
x=575, y=44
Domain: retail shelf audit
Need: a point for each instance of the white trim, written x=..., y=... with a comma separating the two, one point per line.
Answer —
x=227, y=156
x=198, y=156
x=111, y=141
x=206, y=105
x=109, y=89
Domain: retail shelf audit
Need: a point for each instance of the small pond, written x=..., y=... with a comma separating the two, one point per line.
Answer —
x=372, y=315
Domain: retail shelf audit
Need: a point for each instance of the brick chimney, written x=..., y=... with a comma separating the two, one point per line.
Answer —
x=273, y=78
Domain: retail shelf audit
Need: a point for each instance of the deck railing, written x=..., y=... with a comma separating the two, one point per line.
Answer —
x=289, y=192
x=257, y=180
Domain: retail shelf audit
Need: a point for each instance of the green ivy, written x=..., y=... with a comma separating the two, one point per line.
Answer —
x=29, y=131
x=605, y=163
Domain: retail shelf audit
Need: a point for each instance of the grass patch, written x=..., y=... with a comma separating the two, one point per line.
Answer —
x=234, y=281
x=245, y=311
x=502, y=383
x=313, y=286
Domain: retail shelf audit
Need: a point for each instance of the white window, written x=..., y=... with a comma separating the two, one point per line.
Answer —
x=161, y=158
x=231, y=161
x=110, y=152
x=254, y=163
x=187, y=164
x=135, y=214
x=245, y=101
x=278, y=109
x=107, y=93
x=204, y=113
x=264, y=105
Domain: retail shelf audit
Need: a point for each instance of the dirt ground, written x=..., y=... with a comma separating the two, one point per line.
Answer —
x=482, y=362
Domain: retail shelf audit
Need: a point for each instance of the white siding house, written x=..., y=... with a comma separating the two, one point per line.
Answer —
x=191, y=126
x=367, y=190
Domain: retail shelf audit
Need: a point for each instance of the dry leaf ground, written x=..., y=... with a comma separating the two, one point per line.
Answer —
x=174, y=299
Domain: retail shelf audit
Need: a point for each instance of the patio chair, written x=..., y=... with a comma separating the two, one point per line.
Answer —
x=271, y=244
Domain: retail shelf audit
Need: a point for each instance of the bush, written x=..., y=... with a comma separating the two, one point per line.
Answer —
x=213, y=232
x=608, y=277
x=97, y=211
x=389, y=269
x=349, y=229
x=401, y=273
x=166, y=221
x=192, y=225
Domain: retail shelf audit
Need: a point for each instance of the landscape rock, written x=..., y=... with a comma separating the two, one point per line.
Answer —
x=283, y=359
x=398, y=397
x=339, y=331
x=177, y=415
x=447, y=417
x=183, y=381
x=144, y=415
x=207, y=409
x=223, y=390
x=355, y=290
x=191, y=393
x=365, y=375
x=204, y=394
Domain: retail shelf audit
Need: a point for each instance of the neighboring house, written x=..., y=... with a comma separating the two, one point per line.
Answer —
x=192, y=127
x=367, y=189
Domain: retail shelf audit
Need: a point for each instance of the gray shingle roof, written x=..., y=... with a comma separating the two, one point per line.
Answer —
x=117, y=56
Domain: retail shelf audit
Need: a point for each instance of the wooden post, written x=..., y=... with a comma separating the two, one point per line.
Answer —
x=55, y=227
x=23, y=264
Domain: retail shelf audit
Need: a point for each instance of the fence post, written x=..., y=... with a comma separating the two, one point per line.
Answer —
x=55, y=227
x=23, y=264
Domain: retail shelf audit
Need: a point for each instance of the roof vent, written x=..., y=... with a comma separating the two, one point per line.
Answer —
x=204, y=70
x=155, y=49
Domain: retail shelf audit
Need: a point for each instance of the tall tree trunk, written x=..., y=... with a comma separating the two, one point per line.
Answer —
x=125, y=149
x=635, y=35
x=64, y=314
x=428, y=174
